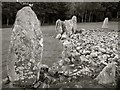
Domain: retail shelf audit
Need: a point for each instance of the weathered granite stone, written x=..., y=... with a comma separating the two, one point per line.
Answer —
x=26, y=47
x=107, y=75
x=67, y=27
x=74, y=19
x=71, y=25
x=58, y=26
x=105, y=24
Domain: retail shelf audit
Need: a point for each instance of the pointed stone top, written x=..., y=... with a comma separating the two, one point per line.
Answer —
x=26, y=14
x=105, y=23
x=74, y=18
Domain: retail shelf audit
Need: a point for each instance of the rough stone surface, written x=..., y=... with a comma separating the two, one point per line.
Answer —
x=74, y=19
x=87, y=53
x=59, y=27
x=107, y=75
x=67, y=27
x=25, y=49
x=105, y=24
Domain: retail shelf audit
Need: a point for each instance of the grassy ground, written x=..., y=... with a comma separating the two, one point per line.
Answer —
x=52, y=47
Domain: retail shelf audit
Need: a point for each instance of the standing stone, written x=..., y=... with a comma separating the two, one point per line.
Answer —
x=107, y=75
x=58, y=26
x=74, y=19
x=26, y=47
x=71, y=25
x=67, y=27
x=105, y=24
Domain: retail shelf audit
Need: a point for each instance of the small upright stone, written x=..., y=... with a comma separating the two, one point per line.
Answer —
x=58, y=27
x=105, y=24
x=26, y=47
x=74, y=19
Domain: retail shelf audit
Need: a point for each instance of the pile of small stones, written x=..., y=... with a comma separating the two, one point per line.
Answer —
x=87, y=53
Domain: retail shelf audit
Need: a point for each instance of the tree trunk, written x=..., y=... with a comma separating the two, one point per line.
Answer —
x=82, y=17
x=43, y=20
x=7, y=21
x=117, y=15
x=85, y=16
x=90, y=17
x=53, y=20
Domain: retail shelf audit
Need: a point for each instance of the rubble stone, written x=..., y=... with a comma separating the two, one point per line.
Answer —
x=89, y=52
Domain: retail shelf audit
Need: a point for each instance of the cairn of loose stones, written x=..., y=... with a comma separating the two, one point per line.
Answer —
x=90, y=53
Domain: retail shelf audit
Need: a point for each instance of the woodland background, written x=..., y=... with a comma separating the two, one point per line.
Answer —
x=49, y=12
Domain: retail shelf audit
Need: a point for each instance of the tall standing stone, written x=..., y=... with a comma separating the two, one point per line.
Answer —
x=105, y=24
x=26, y=47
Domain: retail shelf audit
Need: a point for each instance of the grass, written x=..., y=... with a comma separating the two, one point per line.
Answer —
x=52, y=47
